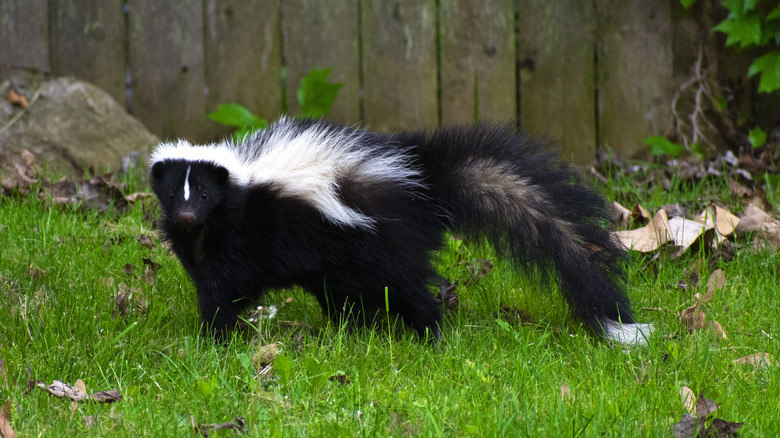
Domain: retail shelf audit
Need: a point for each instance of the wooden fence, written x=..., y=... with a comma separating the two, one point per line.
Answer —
x=596, y=72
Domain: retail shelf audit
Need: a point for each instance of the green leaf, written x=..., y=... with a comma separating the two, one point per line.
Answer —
x=769, y=67
x=687, y=3
x=660, y=145
x=698, y=149
x=749, y=5
x=745, y=29
x=316, y=94
x=774, y=14
x=757, y=137
x=233, y=114
x=283, y=367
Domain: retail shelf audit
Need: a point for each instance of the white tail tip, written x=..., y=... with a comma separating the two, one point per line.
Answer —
x=631, y=334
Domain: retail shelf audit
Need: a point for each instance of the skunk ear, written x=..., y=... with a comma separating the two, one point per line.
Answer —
x=158, y=169
x=222, y=174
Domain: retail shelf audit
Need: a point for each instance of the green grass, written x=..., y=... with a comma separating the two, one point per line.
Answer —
x=61, y=269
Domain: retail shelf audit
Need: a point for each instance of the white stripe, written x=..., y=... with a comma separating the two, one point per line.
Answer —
x=221, y=154
x=187, y=184
x=628, y=333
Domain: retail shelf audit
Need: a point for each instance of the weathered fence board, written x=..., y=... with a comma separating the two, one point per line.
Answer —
x=88, y=41
x=24, y=36
x=323, y=34
x=557, y=75
x=166, y=64
x=634, y=70
x=243, y=57
x=399, y=64
x=477, y=61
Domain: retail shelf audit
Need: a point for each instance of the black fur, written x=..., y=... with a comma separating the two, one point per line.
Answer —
x=237, y=241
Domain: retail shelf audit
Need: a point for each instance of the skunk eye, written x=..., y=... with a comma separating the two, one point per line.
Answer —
x=171, y=195
x=204, y=196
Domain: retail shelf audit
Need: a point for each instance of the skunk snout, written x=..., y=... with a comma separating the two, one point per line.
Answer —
x=186, y=218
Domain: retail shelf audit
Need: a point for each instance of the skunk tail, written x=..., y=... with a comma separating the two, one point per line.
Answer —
x=496, y=183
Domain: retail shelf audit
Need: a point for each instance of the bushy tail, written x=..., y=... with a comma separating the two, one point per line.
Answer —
x=497, y=183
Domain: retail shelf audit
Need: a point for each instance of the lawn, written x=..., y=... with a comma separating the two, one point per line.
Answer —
x=95, y=296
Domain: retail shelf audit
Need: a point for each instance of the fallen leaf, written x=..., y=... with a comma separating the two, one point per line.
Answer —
x=620, y=215
x=566, y=393
x=689, y=425
x=692, y=317
x=640, y=212
x=6, y=431
x=756, y=220
x=447, y=296
x=685, y=232
x=238, y=425
x=648, y=238
x=78, y=392
x=265, y=354
x=715, y=283
x=16, y=98
x=146, y=241
x=688, y=399
x=756, y=360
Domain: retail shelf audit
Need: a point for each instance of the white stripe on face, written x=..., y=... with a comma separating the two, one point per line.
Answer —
x=187, y=184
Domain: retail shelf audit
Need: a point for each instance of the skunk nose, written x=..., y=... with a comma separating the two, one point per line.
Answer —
x=186, y=217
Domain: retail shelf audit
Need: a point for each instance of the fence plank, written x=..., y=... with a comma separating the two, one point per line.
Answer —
x=399, y=64
x=24, y=36
x=166, y=66
x=634, y=69
x=557, y=75
x=477, y=56
x=88, y=41
x=243, y=57
x=323, y=34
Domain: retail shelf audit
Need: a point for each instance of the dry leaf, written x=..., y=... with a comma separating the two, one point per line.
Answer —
x=756, y=220
x=6, y=431
x=447, y=296
x=620, y=215
x=756, y=360
x=265, y=354
x=688, y=399
x=717, y=328
x=715, y=283
x=566, y=393
x=685, y=232
x=693, y=318
x=146, y=241
x=640, y=212
x=238, y=425
x=648, y=238
x=78, y=392
x=17, y=98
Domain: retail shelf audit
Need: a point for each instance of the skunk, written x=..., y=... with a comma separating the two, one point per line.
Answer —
x=346, y=214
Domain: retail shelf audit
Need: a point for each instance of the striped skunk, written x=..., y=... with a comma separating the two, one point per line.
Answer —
x=345, y=213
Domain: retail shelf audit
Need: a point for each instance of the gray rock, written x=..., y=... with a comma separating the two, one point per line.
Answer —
x=70, y=126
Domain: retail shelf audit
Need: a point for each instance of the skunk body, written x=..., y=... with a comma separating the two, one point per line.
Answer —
x=345, y=213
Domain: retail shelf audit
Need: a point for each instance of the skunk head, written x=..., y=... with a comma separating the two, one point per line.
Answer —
x=189, y=191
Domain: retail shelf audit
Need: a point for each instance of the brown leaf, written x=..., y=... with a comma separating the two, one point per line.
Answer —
x=6, y=431
x=138, y=196
x=688, y=426
x=688, y=399
x=146, y=241
x=715, y=283
x=566, y=394
x=238, y=425
x=648, y=238
x=447, y=296
x=78, y=392
x=640, y=212
x=756, y=360
x=16, y=98
x=479, y=268
x=620, y=215
x=107, y=396
x=35, y=273
x=265, y=354
x=756, y=220
x=693, y=318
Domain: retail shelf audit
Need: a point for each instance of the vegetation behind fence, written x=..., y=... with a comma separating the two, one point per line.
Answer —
x=592, y=73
